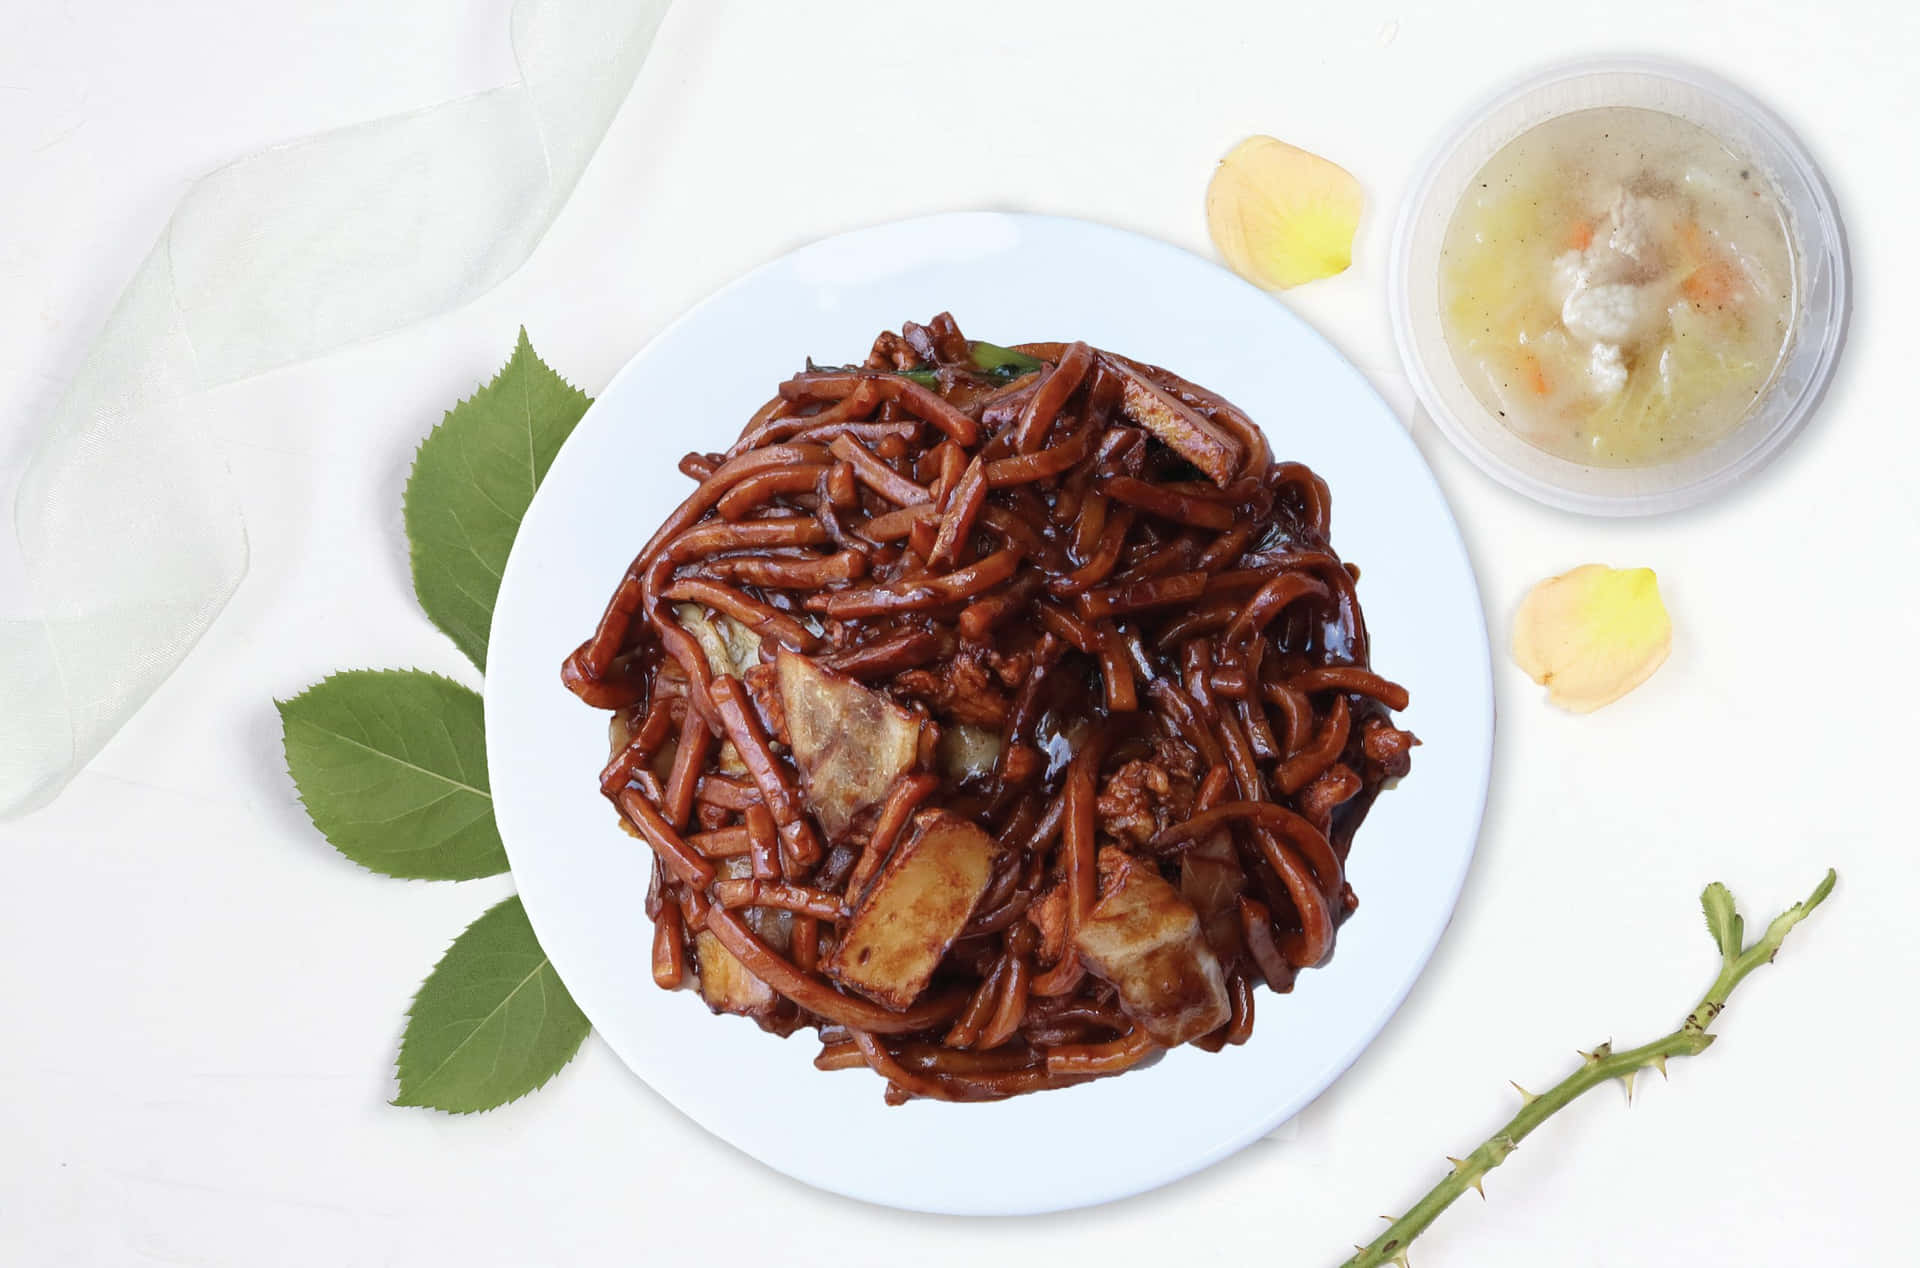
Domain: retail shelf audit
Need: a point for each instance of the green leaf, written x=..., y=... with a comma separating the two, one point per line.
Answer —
x=1723, y=921
x=392, y=767
x=491, y=1022
x=471, y=483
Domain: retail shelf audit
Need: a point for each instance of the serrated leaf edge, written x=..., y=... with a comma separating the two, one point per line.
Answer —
x=546, y=962
x=521, y=344
x=280, y=707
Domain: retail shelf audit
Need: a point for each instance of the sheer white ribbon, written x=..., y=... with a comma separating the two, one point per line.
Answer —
x=129, y=537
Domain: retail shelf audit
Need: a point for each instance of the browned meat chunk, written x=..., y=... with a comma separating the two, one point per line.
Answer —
x=1126, y=805
x=1012, y=668
x=963, y=692
x=1141, y=798
x=892, y=352
x=920, y=339
x=948, y=343
x=1336, y=784
x=763, y=687
x=916, y=909
x=1021, y=763
x=1146, y=940
x=1175, y=756
x=1048, y=913
x=1388, y=751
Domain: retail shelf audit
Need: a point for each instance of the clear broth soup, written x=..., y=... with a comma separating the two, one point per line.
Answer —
x=1618, y=287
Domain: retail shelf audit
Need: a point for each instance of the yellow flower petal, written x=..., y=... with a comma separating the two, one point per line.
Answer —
x=1592, y=635
x=1282, y=216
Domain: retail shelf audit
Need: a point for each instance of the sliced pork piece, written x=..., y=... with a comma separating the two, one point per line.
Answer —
x=849, y=741
x=730, y=647
x=1146, y=940
x=916, y=909
x=725, y=983
x=1180, y=427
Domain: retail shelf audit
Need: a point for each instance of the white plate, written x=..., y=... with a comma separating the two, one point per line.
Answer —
x=1006, y=278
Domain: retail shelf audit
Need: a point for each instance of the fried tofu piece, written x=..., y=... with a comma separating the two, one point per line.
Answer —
x=1146, y=940
x=922, y=900
x=849, y=741
x=1180, y=427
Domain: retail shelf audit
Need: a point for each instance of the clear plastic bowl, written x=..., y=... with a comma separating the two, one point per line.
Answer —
x=1821, y=286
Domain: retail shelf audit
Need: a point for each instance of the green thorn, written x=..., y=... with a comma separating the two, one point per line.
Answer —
x=1627, y=1079
x=1526, y=1097
x=1460, y=1168
x=1660, y=1063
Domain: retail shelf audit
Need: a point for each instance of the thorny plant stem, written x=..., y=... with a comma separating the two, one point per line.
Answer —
x=1600, y=1066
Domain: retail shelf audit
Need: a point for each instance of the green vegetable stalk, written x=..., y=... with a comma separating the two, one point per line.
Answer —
x=1600, y=1066
x=1001, y=364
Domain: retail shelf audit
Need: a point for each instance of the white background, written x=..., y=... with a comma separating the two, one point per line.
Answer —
x=199, y=999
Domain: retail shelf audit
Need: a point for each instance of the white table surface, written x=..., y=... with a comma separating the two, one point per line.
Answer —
x=201, y=1000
